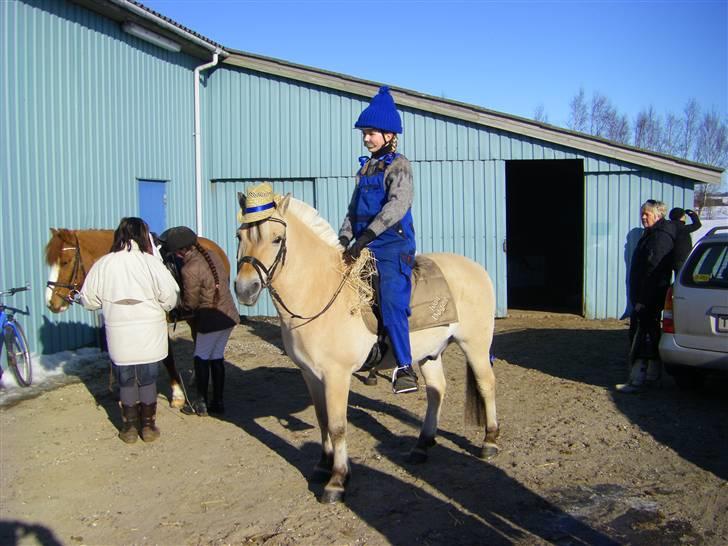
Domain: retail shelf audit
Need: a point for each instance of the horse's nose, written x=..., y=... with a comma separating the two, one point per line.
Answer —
x=247, y=292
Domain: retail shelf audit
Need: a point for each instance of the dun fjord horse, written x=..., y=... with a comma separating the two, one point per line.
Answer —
x=296, y=255
x=71, y=253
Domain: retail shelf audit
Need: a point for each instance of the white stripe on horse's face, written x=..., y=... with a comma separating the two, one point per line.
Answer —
x=52, y=277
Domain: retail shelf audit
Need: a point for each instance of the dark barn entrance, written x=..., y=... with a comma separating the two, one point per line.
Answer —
x=545, y=234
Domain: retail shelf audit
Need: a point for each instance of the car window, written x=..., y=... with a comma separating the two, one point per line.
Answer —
x=707, y=267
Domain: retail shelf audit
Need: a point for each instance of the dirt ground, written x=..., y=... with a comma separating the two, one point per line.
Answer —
x=579, y=463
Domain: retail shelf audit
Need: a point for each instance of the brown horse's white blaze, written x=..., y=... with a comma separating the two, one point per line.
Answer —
x=330, y=347
x=70, y=254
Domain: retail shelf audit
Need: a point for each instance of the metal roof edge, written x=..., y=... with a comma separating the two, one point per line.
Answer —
x=481, y=116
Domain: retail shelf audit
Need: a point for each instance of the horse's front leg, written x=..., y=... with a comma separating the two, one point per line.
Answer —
x=336, y=390
x=175, y=381
x=435, y=382
x=316, y=390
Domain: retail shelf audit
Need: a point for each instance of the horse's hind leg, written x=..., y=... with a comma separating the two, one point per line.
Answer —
x=480, y=407
x=432, y=371
x=175, y=381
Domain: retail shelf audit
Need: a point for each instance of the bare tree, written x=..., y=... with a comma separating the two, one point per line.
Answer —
x=711, y=145
x=648, y=130
x=691, y=115
x=578, y=114
x=672, y=135
x=540, y=113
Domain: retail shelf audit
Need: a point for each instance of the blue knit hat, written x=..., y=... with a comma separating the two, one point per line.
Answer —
x=381, y=113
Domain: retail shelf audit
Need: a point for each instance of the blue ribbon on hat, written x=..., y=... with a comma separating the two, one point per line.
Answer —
x=260, y=208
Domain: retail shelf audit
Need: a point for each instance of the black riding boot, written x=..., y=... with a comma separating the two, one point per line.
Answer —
x=217, y=368
x=202, y=378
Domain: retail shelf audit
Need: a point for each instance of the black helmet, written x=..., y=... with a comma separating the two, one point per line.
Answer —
x=177, y=237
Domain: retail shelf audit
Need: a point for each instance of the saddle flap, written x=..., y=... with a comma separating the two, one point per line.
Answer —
x=431, y=302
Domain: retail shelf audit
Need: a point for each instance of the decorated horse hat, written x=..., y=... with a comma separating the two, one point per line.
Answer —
x=178, y=237
x=257, y=204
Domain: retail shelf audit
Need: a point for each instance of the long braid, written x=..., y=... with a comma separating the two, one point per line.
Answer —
x=215, y=276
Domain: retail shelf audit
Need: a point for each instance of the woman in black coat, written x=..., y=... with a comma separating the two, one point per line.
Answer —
x=649, y=279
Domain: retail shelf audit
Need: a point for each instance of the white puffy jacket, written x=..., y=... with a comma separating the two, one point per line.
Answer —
x=134, y=290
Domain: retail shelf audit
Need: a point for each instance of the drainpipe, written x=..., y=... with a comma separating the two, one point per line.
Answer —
x=198, y=141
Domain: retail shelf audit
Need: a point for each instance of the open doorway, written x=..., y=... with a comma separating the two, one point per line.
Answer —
x=545, y=234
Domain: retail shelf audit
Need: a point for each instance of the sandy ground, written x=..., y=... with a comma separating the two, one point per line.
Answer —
x=580, y=464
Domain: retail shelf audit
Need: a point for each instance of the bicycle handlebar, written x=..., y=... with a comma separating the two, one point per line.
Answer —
x=13, y=291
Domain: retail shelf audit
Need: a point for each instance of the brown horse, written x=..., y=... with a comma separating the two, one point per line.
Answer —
x=71, y=253
x=296, y=255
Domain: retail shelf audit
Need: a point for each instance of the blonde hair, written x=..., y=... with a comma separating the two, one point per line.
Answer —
x=657, y=207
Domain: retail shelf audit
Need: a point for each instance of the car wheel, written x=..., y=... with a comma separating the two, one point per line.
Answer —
x=687, y=379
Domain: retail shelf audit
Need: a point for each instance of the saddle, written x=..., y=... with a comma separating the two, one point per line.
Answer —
x=431, y=302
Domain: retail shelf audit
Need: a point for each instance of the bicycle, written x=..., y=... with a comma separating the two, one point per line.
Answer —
x=16, y=344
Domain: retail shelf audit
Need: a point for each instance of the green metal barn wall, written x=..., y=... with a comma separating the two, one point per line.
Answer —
x=86, y=111
x=260, y=127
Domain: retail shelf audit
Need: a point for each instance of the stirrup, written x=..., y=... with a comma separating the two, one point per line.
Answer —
x=405, y=381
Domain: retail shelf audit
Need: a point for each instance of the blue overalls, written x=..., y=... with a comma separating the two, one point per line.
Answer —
x=394, y=250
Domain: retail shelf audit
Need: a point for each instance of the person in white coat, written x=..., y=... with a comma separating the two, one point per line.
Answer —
x=134, y=291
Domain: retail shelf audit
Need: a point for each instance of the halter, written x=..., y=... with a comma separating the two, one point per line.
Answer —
x=71, y=286
x=280, y=260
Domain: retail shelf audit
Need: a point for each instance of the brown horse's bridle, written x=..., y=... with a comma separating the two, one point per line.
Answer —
x=280, y=260
x=72, y=286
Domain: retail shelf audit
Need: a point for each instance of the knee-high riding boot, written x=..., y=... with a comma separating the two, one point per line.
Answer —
x=129, y=423
x=150, y=432
x=202, y=379
x=217, y=369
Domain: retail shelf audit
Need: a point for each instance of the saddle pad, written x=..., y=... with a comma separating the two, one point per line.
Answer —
x=431, y=303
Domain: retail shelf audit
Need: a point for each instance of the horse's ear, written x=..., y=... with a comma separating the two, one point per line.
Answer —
x=282, y=205
x=241, y=200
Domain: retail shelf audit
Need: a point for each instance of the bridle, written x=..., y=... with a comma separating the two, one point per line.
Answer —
x=72, y=286
x=279, y=261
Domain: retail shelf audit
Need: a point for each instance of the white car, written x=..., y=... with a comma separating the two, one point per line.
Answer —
x=695, y=320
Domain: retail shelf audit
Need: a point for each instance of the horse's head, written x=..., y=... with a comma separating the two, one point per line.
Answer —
x=261, y=251
x=67, y=273
x=70, y=254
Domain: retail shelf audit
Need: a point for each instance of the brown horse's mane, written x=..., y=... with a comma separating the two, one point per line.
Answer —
x=61, y=237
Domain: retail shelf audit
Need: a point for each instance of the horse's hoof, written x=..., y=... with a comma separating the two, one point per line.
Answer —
x=370, y=380
x=488, y=452
x=177, y=403
x=417, y=456
x=331, y=496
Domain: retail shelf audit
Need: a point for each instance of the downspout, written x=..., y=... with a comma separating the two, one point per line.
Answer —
x=198, y=141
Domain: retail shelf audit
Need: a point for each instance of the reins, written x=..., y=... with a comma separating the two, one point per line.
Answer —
x=280, y=260
x=71, y=286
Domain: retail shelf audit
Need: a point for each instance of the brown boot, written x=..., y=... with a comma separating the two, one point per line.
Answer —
x=129, y=424
x=150, y=432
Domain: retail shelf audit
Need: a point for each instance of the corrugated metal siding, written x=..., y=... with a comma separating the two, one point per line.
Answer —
x=86, y=111
x=263, y=128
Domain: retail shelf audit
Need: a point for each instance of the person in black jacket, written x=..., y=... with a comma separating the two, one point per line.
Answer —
x=649, y=278
x=683, y=241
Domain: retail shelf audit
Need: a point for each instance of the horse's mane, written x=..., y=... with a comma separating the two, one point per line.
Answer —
x=311, y=218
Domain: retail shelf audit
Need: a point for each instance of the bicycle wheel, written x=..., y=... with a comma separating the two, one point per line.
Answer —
x=16, y=345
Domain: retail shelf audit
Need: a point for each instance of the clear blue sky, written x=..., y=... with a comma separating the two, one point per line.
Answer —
x=504, y=56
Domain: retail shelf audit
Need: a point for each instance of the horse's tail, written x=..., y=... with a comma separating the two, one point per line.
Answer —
x=474, y=403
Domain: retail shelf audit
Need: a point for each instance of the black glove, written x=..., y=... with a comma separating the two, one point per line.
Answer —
x=352, y=253
x=344, y=241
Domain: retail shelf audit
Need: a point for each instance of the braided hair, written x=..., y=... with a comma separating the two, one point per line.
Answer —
x=213, y=269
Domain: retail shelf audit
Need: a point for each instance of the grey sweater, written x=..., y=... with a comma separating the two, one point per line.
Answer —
x=400, y=189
